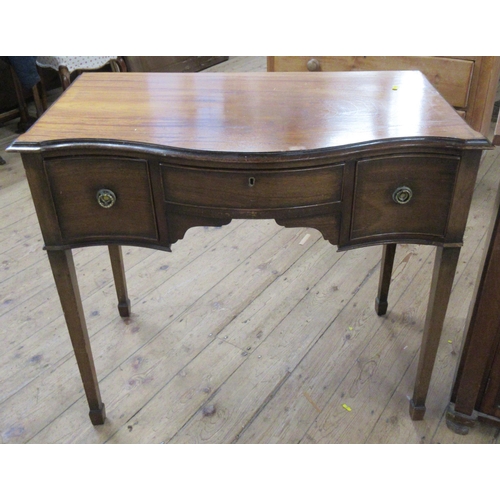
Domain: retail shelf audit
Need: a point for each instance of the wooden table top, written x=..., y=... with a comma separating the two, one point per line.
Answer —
x=250, y=112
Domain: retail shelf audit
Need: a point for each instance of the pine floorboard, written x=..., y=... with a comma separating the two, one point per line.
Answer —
x=250, y=333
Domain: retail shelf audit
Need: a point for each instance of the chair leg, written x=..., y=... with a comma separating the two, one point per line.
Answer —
x=65, y=77
x=118, y=65
x=121, y=64
x=26, y=120
x=40, y=99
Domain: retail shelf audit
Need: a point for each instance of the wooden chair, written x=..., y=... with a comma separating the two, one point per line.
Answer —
x=29, y=86
x=67, y=65
x=39, y=98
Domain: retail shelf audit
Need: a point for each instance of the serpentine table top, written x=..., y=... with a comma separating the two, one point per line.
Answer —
x=250, y=112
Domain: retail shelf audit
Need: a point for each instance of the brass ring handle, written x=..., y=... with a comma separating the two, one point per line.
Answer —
x=402, y=195
x=106, y=198
x=313, y=65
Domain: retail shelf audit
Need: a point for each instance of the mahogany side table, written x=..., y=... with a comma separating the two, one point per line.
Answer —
x=367, y=158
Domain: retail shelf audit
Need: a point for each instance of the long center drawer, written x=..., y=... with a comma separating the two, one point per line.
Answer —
x=251, y=189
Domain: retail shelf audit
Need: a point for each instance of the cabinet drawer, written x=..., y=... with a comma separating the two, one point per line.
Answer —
x=406, y=195
x=259, y=189
x=75, y=183
x=450, y=76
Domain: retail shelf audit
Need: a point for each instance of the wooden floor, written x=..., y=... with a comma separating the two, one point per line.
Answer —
x=250, y=333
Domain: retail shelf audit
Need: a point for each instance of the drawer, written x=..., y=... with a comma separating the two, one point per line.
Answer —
x=75, y=183
x=259, y=189
x=450, y=76
x=406, y=195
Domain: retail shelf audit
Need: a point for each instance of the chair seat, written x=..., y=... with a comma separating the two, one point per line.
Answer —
x=74, y=63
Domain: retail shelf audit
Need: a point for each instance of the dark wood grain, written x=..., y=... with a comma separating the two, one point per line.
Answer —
x=65, y=278
x=117, y=265
x=252, y=189
x=490, y=402
x=496, y=134
x=446, y=74
x=384, y=284
x=432, y=181
x=323, y=151
x=467, y=82
x=175, y=64
x=75, y=183
x=445, y=265
x=251, y=112
x=42, y=198
x=462, y=196
x=476, y=388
